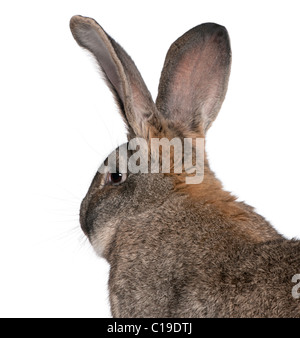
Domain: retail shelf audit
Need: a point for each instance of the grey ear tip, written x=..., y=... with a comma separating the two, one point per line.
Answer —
x=213, y=28
x=213, y=25
x=79, y=20
x=74, y=20
x=207, y=30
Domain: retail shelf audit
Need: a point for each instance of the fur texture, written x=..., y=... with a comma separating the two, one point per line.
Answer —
x=179, y=250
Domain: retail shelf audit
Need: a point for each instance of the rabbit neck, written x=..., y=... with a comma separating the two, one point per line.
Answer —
x=246, y=224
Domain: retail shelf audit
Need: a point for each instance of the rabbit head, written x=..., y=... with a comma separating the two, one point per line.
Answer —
x=191, y=90
x=153, y=227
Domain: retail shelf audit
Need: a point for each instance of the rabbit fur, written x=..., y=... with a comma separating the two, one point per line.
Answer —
x=177, y=249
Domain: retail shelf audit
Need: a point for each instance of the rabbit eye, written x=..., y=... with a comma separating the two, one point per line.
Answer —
x=116, y=178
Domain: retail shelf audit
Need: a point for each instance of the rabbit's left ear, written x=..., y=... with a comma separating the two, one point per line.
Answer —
x=194, y=79
x=123, y=78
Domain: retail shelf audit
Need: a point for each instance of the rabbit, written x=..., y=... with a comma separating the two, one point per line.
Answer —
x=177, y=249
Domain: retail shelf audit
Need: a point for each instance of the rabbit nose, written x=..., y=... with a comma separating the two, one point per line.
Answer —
x=83, y=217
x=83, y=224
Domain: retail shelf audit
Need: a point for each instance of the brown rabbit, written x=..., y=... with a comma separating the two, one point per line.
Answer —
x=178, y=249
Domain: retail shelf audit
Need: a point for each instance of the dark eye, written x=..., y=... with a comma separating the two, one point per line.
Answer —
x=116, y=178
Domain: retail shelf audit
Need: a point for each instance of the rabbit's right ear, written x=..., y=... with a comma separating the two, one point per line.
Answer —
x=194, y=79
x=131, y=94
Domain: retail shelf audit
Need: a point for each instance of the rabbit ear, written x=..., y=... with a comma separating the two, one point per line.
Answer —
x=123, y=78
x=194, y=78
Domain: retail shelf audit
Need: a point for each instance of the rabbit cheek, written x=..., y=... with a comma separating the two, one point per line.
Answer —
x=101, y=240
x=99, y=230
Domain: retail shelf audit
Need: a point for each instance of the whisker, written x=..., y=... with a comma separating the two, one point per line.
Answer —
x=69, y=192
x=63, y=212
x=88, y=143
x=61, y=199
x=109, y=133
x=65, y=220
x=83, y=240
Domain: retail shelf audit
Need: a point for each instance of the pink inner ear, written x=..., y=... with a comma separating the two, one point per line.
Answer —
x=196, y=84
x=195, y=76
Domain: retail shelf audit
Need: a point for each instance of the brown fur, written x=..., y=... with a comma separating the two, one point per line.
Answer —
x=177, y=249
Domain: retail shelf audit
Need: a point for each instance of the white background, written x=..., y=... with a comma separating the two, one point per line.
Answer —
x=58, y=121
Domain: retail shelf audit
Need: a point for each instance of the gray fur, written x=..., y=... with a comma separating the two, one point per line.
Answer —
x=177, y=250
